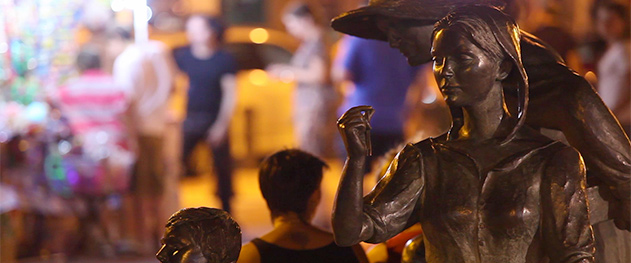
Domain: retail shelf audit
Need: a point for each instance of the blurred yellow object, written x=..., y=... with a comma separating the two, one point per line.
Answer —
x=23, y=145
x=262, y=121
x=258, y=77
x=259, y=35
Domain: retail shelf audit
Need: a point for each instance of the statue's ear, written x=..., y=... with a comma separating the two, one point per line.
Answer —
x=505, y=69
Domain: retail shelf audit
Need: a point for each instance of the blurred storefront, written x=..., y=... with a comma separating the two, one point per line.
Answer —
x=40, y=213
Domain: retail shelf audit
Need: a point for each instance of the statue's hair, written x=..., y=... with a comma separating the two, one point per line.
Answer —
x=498, y=36
x=478, y=32
x=213, y=230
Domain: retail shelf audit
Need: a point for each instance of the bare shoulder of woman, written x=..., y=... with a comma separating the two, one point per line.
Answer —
x=249, y=254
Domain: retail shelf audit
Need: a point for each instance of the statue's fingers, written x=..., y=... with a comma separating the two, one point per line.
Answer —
x=352, y=117
x=357, y=110
x=354, y=123
x=366, y=120
x=369, y=113
x=349, y=116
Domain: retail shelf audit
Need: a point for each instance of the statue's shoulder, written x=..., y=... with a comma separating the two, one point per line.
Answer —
x=548, y=148
x=540, y=141
x=561, y=150
x=427, y=145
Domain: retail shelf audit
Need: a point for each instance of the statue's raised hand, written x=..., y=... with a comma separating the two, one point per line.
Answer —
x=354, y=126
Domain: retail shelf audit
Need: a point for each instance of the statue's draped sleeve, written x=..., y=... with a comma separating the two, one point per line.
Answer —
x=391, y=204
x=565, y=228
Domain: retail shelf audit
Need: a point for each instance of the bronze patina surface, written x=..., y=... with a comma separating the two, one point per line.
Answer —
x=491, y=189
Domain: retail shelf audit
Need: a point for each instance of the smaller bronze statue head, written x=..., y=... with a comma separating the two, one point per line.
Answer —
x=200, y=235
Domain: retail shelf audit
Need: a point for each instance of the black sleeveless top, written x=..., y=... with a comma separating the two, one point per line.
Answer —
x=330, y=253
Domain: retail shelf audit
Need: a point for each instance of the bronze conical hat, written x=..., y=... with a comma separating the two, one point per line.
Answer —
x=361, y=22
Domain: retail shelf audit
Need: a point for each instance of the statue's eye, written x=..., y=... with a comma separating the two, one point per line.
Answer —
x=465, y=57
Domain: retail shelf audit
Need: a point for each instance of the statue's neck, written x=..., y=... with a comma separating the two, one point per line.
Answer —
x=482, y=120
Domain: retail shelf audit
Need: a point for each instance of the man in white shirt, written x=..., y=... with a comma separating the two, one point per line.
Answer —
x=614, y=67
x=146, y=69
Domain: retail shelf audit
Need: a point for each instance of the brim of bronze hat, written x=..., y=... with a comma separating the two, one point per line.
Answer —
x=362, y=22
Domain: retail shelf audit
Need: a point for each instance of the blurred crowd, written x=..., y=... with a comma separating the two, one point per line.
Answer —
x=104, y=170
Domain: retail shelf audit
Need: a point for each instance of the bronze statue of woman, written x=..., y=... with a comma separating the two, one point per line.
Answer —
x=489, y=190
x=560, y=99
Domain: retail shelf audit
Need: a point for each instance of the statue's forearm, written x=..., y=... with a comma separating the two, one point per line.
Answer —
x=348, y=206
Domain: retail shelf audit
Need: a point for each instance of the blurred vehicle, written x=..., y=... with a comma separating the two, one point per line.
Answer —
x=262, y=120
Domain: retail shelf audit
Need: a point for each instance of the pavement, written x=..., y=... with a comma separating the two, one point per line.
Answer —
x=250, y=210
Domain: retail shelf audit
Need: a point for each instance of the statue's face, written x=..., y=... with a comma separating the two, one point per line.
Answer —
x=464, y=73
x=178, y=247
x=412, y=39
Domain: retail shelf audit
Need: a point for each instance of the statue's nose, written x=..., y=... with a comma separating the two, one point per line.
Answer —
x=448, y=71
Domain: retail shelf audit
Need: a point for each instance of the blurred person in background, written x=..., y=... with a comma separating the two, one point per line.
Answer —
x=380, y=77
x=146, y=70
x=614, y=67
x=614, y=87
x=290, y=181
x=211, y=96
x=95, y=106
x=554, y=34
x=314, y=96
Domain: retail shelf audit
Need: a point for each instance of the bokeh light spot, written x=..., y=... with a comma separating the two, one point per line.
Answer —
x=259, y=35
x=258, y=77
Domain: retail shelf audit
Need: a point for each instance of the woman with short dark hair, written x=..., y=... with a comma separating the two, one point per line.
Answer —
x=290, y=183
